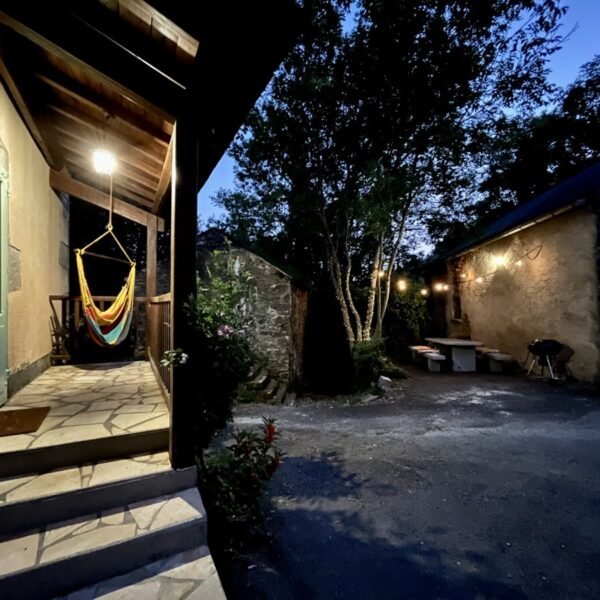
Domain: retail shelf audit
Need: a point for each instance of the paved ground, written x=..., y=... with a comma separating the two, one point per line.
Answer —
x=452, y=487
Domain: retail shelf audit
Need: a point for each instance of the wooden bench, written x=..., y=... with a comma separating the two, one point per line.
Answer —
x=497, y=361
x=434, y=360
x=482, y=350
x=418, y=351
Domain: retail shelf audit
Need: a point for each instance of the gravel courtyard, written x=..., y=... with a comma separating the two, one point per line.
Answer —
x=449, y=487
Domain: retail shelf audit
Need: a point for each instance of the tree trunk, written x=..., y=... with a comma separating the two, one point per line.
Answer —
x=372, y=293
x=350, y=301
x=389, y=271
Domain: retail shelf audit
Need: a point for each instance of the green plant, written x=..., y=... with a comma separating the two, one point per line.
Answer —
x=174, y=358
x=369, y=361
x=234, y=479
x=220, y=316
x=406, y=316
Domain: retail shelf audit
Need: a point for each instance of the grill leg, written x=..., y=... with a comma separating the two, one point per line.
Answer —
x=550, y=367
x=531, y=367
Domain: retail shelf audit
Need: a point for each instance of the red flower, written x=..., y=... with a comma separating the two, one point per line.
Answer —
x=270, y=433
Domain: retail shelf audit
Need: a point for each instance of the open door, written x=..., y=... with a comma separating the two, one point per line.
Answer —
x=3, y=276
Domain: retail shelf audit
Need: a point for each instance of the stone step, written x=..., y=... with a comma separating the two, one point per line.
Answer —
x=33, y=500
x=270, y=390
x=84, y=451
x=280, y=394
x=258, y=383
x=65, y=556
x=191, y=574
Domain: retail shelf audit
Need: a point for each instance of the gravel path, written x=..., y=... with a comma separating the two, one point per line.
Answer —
x=449, y=487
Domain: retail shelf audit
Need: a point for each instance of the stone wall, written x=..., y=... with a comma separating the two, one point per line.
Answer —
x=39, y=244
x=271, y=310
x=554, y=295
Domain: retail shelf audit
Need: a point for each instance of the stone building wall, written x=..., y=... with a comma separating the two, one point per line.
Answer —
x=554, y=295
x=271, y=310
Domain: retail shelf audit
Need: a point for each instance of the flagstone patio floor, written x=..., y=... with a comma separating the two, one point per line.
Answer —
x=90, y=402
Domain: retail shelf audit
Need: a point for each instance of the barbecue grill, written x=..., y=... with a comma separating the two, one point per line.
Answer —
x=549, y=353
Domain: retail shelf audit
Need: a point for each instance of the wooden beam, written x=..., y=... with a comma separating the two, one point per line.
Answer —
x=87, y=97
x=62, y=182
x=84, y=147
x=165, y=179
x=184, y=414
x=151, y=256
x=23, y=109
x=117, y=135
x=63, y=35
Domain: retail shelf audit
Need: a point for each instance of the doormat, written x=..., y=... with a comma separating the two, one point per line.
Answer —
x=26, y=420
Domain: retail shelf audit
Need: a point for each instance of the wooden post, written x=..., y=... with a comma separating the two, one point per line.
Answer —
x=151, y=233
x=184, y=190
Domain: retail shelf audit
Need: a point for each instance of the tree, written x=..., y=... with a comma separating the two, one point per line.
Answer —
x=364, y=131
x=526, y=156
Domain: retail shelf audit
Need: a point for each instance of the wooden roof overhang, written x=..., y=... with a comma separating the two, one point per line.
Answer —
x=118, y=73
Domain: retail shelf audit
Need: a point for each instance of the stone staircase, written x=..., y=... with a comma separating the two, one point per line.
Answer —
x=107, y=516
x=268, y=389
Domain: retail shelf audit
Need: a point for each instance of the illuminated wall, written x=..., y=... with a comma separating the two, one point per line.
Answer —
x=38, y=248
x=539, y=283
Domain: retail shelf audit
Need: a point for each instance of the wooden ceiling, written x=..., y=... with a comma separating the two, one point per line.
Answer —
x=71, y=110
x=115, y=74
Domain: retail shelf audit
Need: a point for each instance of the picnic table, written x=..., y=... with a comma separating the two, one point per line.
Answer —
x=461, y=352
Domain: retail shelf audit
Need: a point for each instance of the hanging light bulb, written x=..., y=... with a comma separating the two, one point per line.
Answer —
x=104, y=161
x=402, y=285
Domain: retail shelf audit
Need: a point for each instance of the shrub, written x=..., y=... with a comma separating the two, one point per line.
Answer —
x=369, y=361
x=220, y=317
x=234, y=479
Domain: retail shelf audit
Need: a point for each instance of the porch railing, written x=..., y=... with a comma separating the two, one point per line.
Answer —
x=158, y=334
x=151, y=327
x=68, y=318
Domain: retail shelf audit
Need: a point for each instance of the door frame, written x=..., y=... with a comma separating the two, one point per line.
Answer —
x=3, y=274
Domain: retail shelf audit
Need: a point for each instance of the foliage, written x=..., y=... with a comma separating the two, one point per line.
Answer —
x=365, y=131
x=233, y=479
x=407, y=316
x=174, y=358
x=525, y=156
x=369, y=363
x=220, y=317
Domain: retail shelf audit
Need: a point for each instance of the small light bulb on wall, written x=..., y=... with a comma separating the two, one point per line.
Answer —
x=402, y=285
x=519, y=263
x=424, y=292
x=498, y=260
x=104, y=161
x=479, y=280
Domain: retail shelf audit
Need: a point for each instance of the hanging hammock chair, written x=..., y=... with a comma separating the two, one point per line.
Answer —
x=107, y=327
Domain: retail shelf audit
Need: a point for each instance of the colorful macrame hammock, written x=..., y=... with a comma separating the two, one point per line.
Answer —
x=111, y=326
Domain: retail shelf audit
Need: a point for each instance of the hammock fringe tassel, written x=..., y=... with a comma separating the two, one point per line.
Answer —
x=107, y=327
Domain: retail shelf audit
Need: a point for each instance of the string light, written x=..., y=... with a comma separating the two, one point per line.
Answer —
x=424, y=292
x=381, y=274
x=438, y=287
x=501, y=261
x=402, y=285
x=445, y=287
